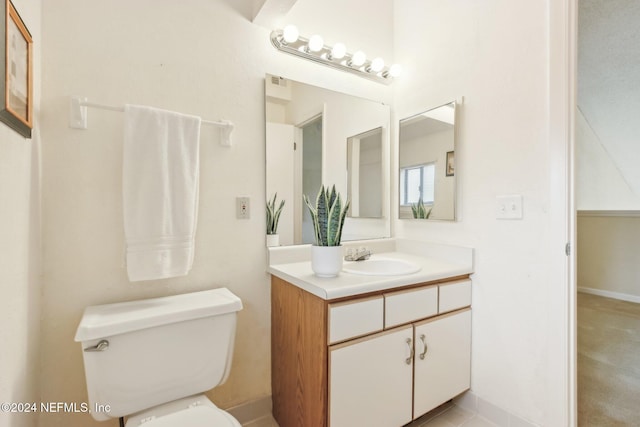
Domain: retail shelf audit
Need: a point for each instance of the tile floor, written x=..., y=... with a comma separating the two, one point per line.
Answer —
x=262, y=422
x=445, y=416
x=450, y=415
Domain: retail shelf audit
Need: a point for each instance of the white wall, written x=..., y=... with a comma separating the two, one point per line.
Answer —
x=608, y=90
x=20, y=260
x=608, y=254
x=600, y=184
x=203, y=58
x=608, y=220
x=498, y=55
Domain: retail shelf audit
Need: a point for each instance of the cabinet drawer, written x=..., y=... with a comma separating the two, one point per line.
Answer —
x=355, y=318
x=454, y=296
x=407, y=306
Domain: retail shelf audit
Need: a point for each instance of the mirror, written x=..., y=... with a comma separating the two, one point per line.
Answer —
x=427, y=165
x=364, y=174
x=309, y=130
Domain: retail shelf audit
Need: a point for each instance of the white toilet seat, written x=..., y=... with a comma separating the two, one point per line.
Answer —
x=200, y=416
x=198, y=412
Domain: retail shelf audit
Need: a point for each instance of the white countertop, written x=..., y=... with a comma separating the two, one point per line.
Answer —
x=436, y=261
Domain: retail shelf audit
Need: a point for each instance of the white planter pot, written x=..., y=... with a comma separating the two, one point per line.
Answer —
x=326, y=261
x=273, y=240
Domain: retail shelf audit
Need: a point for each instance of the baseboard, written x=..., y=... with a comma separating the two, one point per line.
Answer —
x=252, y=410
x=610, y=294
x=629, y=214
x=470, y=402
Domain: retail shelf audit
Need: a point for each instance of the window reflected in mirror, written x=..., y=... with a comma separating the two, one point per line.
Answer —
x=426, y=165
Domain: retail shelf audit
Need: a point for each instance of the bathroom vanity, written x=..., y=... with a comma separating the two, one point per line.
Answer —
x=370, y=349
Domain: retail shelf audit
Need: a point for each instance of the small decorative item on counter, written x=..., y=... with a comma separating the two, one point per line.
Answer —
x=273, y=216
x=328, y=216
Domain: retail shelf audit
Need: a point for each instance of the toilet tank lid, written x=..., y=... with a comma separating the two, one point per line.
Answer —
x=101, y=321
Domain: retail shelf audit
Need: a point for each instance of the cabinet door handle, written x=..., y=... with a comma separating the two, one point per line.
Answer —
x=424, y=346
x=410, y=358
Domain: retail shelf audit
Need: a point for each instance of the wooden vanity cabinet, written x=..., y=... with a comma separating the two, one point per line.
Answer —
x=357, y=360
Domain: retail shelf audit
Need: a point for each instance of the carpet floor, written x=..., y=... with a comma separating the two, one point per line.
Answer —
x=608, y=362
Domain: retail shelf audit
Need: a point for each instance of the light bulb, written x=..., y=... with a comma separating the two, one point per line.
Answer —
x=358, y=58
x=338, y=51
x=395, y=70
x=377, y=65
x=290, y=34
x=316, y=43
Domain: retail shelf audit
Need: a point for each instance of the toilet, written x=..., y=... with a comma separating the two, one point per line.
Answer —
x=151, y=360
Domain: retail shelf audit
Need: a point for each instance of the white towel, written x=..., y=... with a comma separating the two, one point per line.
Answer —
x=160, y=191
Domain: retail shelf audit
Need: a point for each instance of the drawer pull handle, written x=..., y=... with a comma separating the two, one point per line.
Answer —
x=410, y=358
x=424, y=346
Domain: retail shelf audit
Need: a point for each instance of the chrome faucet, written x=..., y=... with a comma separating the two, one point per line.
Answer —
x=357, y=254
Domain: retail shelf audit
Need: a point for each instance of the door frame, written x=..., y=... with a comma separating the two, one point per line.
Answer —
x=298, y=208
x=563, y=37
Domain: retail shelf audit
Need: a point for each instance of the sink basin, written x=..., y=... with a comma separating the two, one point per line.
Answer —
x=382, y=267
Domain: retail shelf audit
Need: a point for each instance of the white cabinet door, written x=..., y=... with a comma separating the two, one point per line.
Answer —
x=442, y=360
x=370, y=380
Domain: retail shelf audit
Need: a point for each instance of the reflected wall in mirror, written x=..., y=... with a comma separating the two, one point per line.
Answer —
x=307, y=129
x=426, y=165
x=364, y=174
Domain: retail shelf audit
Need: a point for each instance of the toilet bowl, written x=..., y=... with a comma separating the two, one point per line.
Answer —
x=151, y=360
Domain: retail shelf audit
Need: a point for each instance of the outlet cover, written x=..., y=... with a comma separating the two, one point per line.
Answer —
x=243, y=207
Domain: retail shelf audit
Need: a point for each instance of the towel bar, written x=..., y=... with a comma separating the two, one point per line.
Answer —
x=78, y=118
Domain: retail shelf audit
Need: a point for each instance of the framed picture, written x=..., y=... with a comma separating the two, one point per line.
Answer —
x=450, y=167
x=17, y=59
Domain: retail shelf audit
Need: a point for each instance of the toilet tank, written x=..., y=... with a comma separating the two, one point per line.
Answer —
x=140, y=354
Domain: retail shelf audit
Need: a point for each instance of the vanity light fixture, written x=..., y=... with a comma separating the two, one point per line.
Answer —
x=290, y=41
x=357, y=59
x=315, y=43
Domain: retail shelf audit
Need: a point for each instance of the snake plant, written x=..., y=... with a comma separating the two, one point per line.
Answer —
x=419, y=210
x=328, y=216
x=273, y=215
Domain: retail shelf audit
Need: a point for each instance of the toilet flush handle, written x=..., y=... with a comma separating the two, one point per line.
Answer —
x=101, y=346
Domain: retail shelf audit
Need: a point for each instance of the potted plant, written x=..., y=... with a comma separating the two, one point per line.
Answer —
x=420, y=211
x=328, y=216
x=273, y=216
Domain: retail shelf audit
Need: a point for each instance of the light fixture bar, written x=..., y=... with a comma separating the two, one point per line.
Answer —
x=300, y=47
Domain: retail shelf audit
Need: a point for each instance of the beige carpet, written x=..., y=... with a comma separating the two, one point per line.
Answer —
x=608, y=362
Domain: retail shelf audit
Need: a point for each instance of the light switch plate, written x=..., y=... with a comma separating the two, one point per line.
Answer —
x=509, y=206
x=77, y=113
